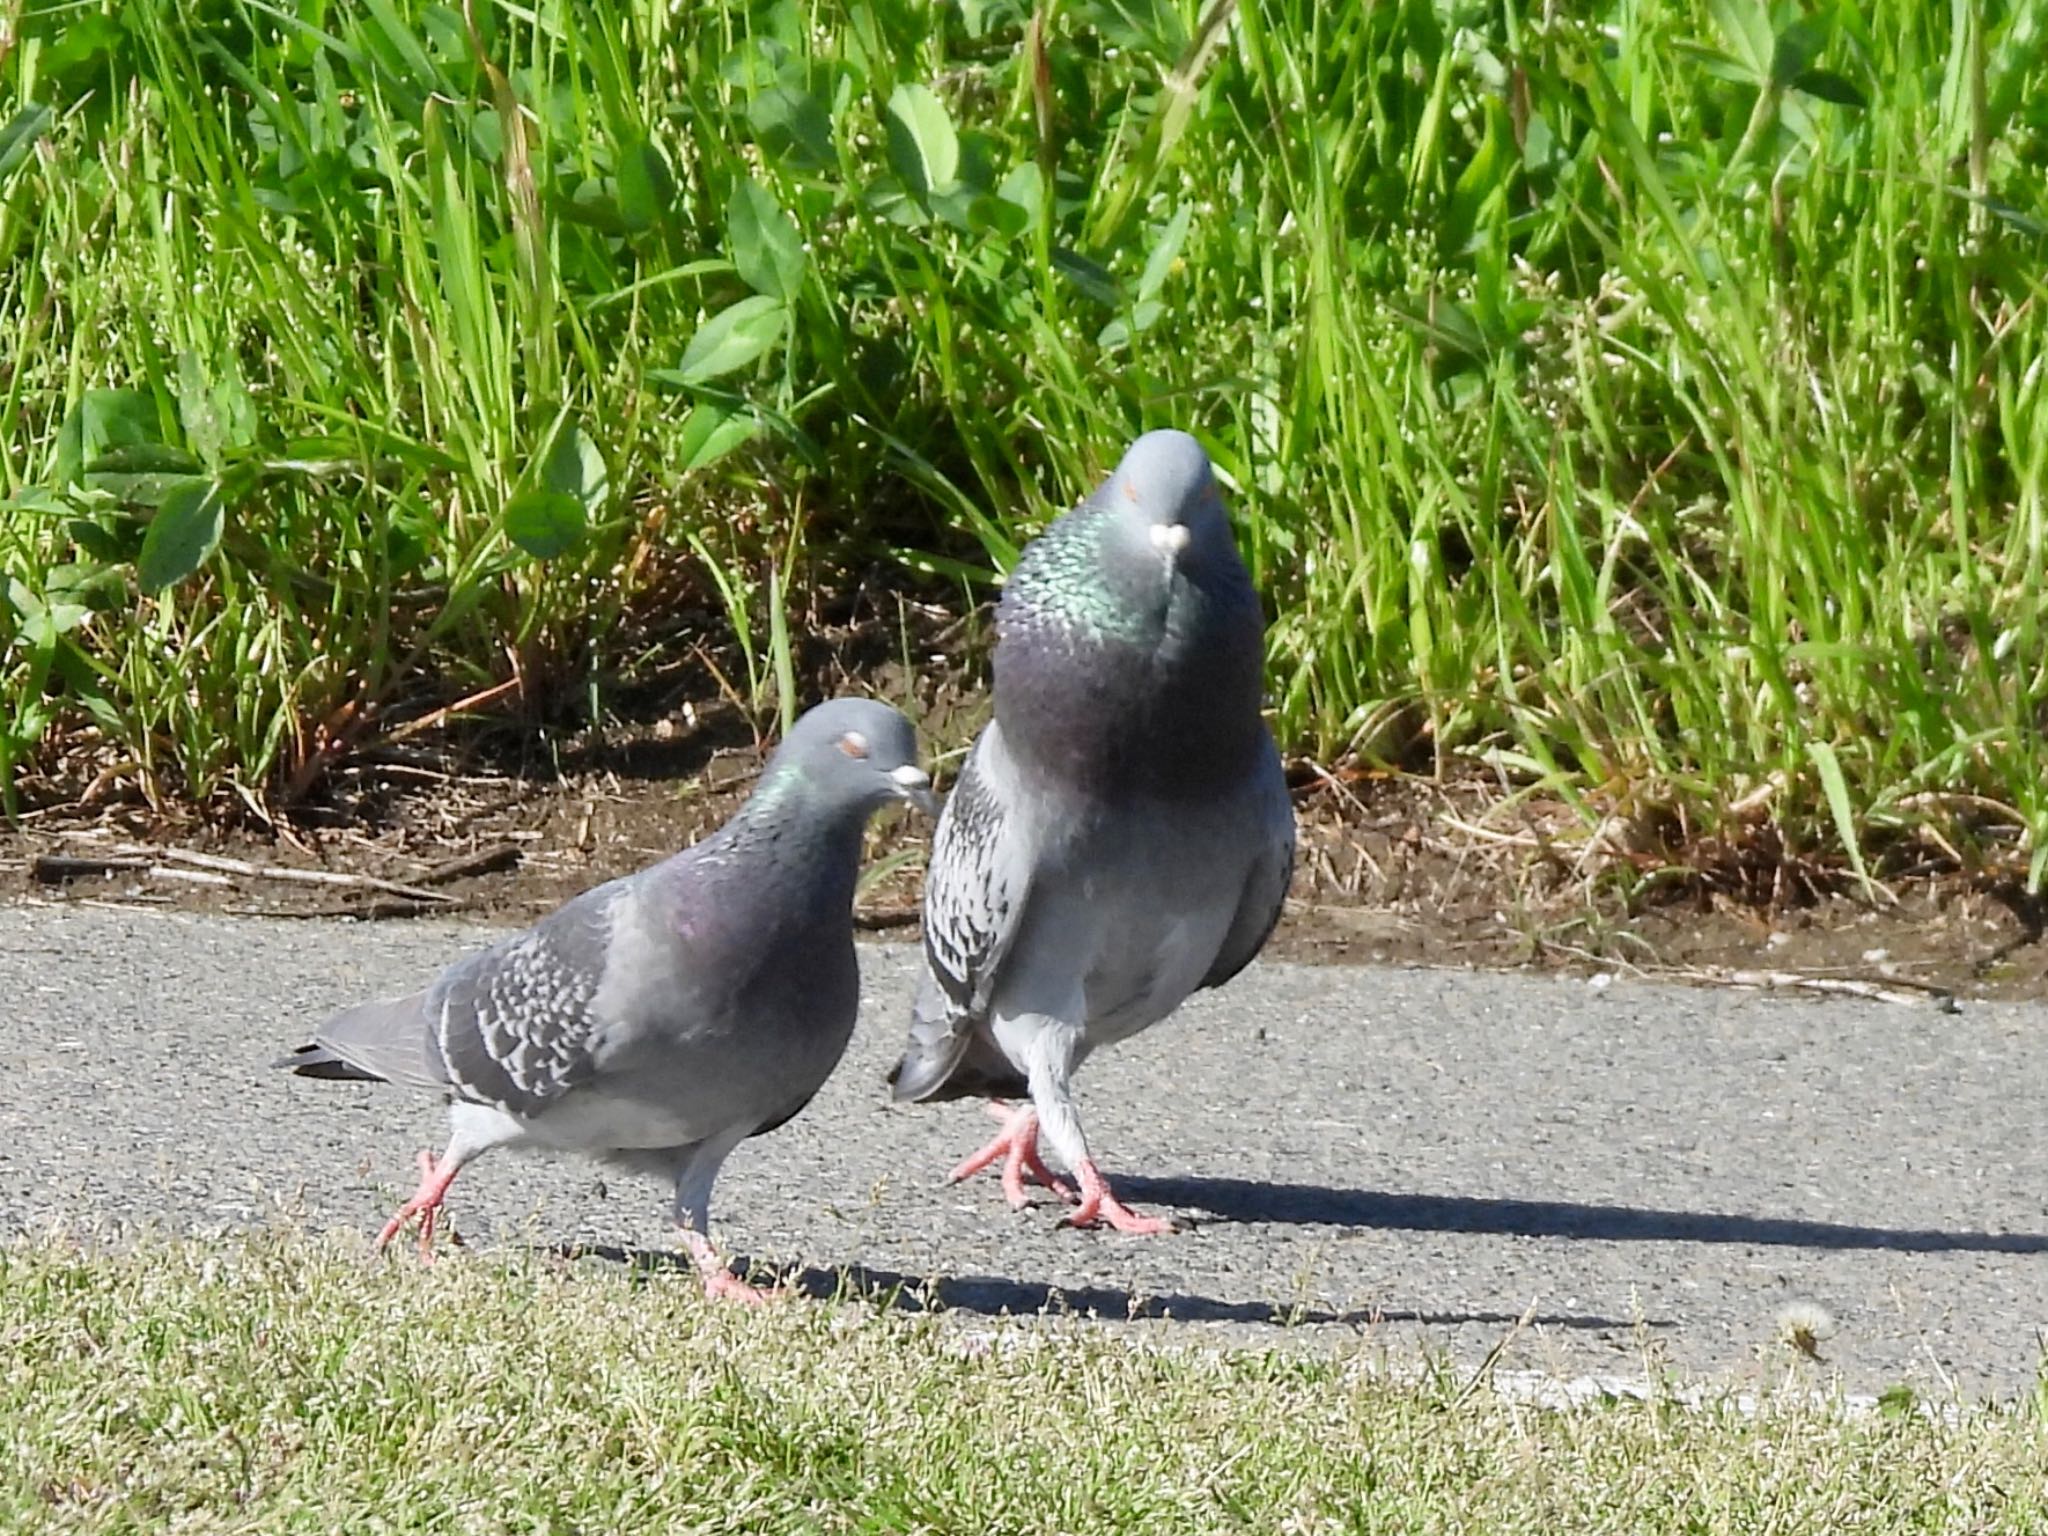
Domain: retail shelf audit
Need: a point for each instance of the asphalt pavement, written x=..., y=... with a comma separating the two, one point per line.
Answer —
x=1614, y=1179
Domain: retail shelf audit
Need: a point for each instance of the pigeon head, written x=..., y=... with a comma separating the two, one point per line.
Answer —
x=1132, y=563
x=856, y=753
x=1130, y=641
x=1163, y=500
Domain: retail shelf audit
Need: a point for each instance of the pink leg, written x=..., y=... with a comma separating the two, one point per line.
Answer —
x=425, y=1204
x=1017, y=1145
x=718, y=1280
x=1098, y=1204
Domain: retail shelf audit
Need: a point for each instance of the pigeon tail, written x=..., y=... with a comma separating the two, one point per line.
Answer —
x=923, y=1070
x=947, y=1057
x=387, y=1042
x=316, y=1060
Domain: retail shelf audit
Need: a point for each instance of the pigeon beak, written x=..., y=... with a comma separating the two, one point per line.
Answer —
x=1170, y=538
x=914, y=785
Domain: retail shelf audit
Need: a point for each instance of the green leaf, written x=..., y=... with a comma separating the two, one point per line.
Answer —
x=732, y=338
x=978, y=152
x=1480, y=193
x=1160, y=263
x=1746, y=28
x=574, y=467
x=35, y=498
x=148, y=488
x=100, y=587
x=143, y=459
x=118, y=545
x=1826, y=85
x=712, y=430
x=1146, y=26
x=1718, y=64
x=83, y=43
x=1143, y=317
x=1836, y=788
x=104, y=419
x=888, y=198
x=791, y=124
x=545, y=523
x=45, y=617
x=955, y=205
x=923, y=149
x=646, y=187
x=218, y=414
x=779, y=652
x=197, y=410
x=765, y=245
x=184, y=533
x=1091, y=277
x=1795, y=50
x=1443, y=323
x=1021, y=199
x=19, y=136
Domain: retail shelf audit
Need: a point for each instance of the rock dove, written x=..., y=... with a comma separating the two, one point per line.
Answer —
x=661, y=1019
x=1121, y=833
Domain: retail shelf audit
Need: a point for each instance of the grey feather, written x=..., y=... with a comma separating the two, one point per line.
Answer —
x=383, y=1041
x=1121, y=834
x=979, y=876
x=1265, y=891
x=976, y=884
x=700, y=1001
x=514, y=1026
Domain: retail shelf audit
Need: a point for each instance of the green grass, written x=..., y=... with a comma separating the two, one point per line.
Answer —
x=1641, y=401
x=276, y=1383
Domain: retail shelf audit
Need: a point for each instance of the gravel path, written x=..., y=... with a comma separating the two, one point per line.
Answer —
x=1398, y=1158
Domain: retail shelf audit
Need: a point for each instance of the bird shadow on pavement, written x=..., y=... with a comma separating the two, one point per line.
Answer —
x=999, y=1296
x=1247, y=1200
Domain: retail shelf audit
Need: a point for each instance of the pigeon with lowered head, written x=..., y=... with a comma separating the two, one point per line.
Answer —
x=1121, y=834
x=661, y=1019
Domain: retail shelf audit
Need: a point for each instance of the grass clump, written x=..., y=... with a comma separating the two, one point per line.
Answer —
x=1641, y=399
x=275, y=1383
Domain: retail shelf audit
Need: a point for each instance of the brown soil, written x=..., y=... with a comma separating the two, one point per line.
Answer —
x=1394, y=869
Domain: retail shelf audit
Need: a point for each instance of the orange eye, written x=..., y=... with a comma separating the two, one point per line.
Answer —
x=853, y=744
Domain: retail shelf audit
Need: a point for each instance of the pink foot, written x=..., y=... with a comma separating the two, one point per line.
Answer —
x=724, y=1285
x=1017, y=1145
x=720, y=1283
x=425, y=1204
x=1099, y=1205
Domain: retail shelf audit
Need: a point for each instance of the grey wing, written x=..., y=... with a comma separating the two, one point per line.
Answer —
x=974, y=895
x=1265, y=888
x=515, y=1025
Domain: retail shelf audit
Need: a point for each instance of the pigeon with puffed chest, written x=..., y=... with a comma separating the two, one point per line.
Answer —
x=1121, y=834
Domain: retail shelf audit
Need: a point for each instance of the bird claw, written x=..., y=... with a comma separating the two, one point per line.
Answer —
x=425, y=1205
x=1121, y=1218
x=724, y=1285
x=720, y=1283
x=1099, y=1206
x=1016, y=1145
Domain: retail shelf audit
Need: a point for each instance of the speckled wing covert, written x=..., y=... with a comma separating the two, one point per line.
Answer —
x=974, y=895
x=511, y=1027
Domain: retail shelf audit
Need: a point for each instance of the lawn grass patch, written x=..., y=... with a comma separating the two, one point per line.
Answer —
x=277, y=1382
x=1642, y=401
